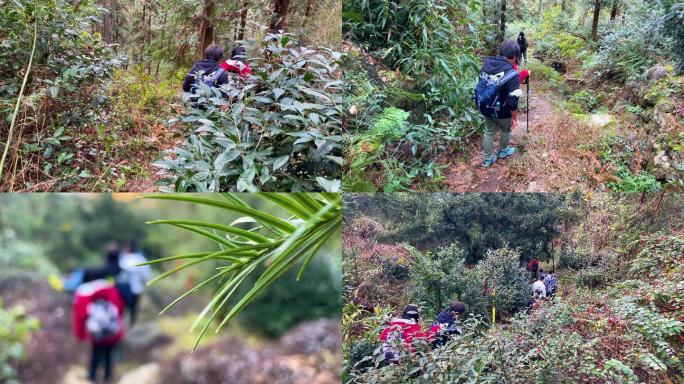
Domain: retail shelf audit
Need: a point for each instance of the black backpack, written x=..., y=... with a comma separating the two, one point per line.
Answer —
x=487, y=93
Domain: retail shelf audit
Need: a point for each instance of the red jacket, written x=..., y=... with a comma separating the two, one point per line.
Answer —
x=410, y=331
x=88, y=293
x=239, y=67
x=523, y=74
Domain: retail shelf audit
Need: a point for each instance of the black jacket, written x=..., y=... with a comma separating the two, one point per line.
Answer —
x=522, y=43
x=510, y=92
x=206, y=65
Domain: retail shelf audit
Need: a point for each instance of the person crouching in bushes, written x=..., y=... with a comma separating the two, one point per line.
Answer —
x=551, y=283
x=539, y=290
x=238, y=63
x=405, y=330
x=207, y=71
x=448, y=322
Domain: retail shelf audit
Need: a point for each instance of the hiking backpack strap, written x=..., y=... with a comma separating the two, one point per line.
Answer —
x=217, y=75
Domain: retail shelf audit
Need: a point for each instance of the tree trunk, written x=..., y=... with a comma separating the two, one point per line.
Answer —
x=108, y=21
x=243, y=20
x=563, y=5
x=614, y=11
x=142, y=43
x=502, y=31
x=161, y=43
x=206, y=29
x=279, y=19
x=307, y=13
x=595, y=22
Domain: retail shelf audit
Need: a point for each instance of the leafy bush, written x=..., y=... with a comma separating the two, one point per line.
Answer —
x=15, y=329
x=592, y=277
x=278, y=130
x=290, y=301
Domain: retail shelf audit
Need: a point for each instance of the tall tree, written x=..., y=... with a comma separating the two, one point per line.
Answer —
x=614, y=10
x=206, y=27
x=243, y=19
x=280, y=13
x=595, y=22
x=108, y=24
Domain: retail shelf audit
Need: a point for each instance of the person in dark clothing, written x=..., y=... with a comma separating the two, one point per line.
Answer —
x=448, y=321
x=210, y=64
x=110, y=269
x=522, y=43
x=101, y=356
x=496, y=69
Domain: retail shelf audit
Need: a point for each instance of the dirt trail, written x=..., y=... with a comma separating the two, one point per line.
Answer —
x=548, y=159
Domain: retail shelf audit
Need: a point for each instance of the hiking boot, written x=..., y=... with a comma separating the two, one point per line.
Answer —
x=488, y=161
x=509, y=151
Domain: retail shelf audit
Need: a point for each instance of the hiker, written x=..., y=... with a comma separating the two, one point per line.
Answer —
x=110, y=269
x=496, y=95
x=532, y=267
x=522, y=43
x=406, y=327
x=539, y=290
x=542, y=274
x=207, y=71
x=551, y=283
x=133, y=277
x=448, y=321
x=238, y=63
x=98, y=319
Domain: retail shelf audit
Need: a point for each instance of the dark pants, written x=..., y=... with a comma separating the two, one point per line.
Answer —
x=101, y=355
x=132, y=305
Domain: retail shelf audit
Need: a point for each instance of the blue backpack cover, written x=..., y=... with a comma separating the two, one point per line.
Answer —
x=209, y=80
x=487, y=93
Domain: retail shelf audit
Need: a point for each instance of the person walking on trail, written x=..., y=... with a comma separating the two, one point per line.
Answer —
x=522, y=43
x=496, y=96
x=406, y=330
x=98, y=318
x=133, y=277
x=448, y=322
x=110, y=269
x=238, y=63
x=207, y=71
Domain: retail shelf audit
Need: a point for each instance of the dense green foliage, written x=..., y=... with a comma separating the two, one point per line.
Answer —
x=476, y=222
x=279, y=130
x=15, y=329
x=428, y=54
x=617, y=317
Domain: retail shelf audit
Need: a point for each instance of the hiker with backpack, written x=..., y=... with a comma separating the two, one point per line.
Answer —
x=133, y=277
x=522, y=43
x=448, y=322
x=496, y=96
x=538, y=290
x=98, y=319
x=238, y=63
x=551, y=283
x=406, y=330
x=206, y=71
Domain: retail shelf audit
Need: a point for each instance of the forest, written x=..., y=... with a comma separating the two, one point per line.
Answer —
x=616, y=314
x=91, y=98
x=602, y=111
x=271, y=311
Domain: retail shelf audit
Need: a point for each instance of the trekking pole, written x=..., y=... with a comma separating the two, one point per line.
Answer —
x=528, y=104
x=493, y=307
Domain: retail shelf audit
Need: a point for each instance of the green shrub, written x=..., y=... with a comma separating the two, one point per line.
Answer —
x=592, y=277
x=15, y=329
x=279, y=130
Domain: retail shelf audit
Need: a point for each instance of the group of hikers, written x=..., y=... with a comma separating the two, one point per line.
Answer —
x=406, y=329
x=214, y=71
x=101, y=298
x=497, y=94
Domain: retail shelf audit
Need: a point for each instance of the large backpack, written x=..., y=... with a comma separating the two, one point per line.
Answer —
x=487, y=92
x=209, y=80
x=103, y=321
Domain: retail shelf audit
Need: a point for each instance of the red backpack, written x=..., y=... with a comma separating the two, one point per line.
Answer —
x=98, y=313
